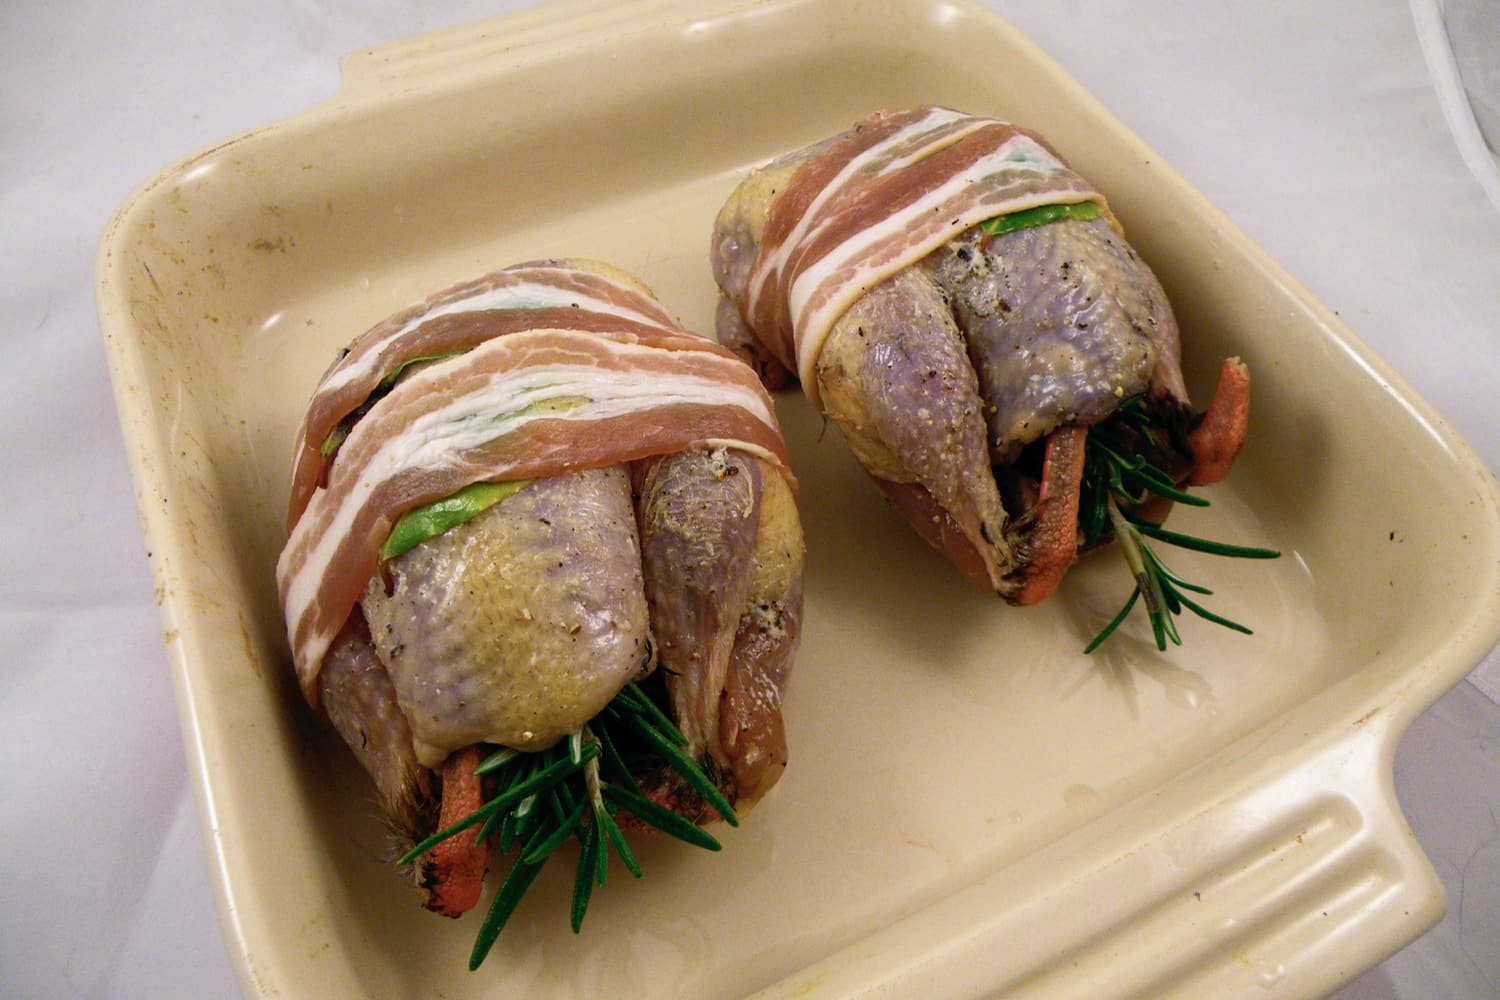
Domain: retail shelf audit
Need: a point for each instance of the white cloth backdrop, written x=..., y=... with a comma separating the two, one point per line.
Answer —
x=1330, y=131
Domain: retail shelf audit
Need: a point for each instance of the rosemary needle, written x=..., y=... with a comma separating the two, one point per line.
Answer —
x=572, y=790
x=1117, y=476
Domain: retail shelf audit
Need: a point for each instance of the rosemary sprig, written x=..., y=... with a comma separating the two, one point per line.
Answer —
x=573, y=790
x=1118, y=475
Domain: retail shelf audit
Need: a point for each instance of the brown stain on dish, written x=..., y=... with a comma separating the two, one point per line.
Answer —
x=276, y=244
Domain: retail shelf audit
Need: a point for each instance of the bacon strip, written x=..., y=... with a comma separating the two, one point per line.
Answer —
x=523, y=404
x=525, y=296
x=892, y=190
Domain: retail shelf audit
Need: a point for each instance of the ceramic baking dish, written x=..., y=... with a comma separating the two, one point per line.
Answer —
x=974, y=807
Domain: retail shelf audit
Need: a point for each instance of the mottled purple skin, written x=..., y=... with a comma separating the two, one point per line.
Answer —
x=360, y=700
x=699, y=513
x=895, y=377
x=1063, y=322
x=520, y=625
x=723, y=580
x=751, y=729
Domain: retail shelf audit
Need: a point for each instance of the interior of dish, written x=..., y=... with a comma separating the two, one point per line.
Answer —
x=938, y=736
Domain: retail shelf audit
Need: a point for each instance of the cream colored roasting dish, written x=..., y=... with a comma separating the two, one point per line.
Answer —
x=973, y=807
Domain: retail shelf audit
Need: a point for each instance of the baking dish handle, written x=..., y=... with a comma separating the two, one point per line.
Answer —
x=1299, y=882
x=1295, y=882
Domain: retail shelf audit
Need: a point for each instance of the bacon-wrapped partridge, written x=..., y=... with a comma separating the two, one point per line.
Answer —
x=510, y=504
x=965, y=309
